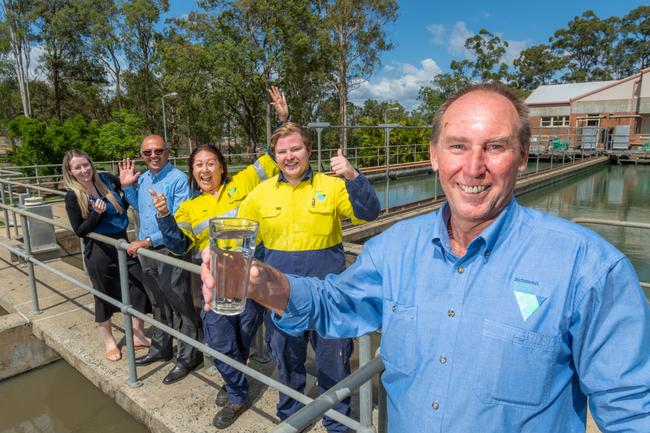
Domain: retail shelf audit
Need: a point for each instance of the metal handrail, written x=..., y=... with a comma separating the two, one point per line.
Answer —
x=128, y=311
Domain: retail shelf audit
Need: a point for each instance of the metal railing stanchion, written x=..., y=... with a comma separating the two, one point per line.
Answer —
x=126, y=304
x=5, y=213
x=365, y=390
x=11, y=203
x=30, y=266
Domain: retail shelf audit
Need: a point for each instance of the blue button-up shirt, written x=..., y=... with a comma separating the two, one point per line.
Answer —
x=169, y=181
x=512, y=337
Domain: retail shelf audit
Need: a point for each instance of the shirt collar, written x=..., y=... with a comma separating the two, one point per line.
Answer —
x=308, y=176
x=489, y=237
x=162, y=173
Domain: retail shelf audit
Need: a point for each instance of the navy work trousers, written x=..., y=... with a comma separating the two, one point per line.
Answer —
x=232, y=336
x=290, y=353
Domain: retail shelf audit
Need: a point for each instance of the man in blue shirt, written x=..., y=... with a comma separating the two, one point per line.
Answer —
x=494, y=317
x=168, y=287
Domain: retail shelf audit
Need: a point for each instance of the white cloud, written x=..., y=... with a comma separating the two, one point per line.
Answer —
x=34, y=62
x=403, y=88
x=437, y=33
x=459, y=35
x=514, y=49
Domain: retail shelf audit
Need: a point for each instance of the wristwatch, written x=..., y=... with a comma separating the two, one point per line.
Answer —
x=148, y=239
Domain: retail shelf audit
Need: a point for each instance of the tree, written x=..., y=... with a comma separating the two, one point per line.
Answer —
x=106, y=43
x=487, y=50
x=355, y=39
x=585, y=45
x=18, y=15
x=536, y=66
x=632, y=50
x=139, y=42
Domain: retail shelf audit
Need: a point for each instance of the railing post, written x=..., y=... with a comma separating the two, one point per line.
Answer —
x=435, y=185
x=30, y=266
x=4, y=211
x=125, y=304
x=11, y=202
x=382, y=411
x=38, y=181
x=365, y=390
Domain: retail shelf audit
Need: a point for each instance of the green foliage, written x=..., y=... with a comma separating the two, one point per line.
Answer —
x=536, y=66
x=39, y=142
x=119, y=138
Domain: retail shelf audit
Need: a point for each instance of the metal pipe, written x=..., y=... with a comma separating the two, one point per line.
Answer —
x=11, y=202
x=365, y=391
x=30, y=266
x=331, y=398
x=4, y=211
x=126, y=305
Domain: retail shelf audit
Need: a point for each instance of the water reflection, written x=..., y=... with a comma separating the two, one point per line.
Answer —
x=58, y=399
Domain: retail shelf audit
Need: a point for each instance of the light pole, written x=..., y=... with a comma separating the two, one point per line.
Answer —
x=162, y=99
x=387, y=127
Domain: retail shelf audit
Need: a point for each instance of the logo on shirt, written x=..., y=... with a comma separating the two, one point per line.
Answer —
x=527, y=301
x=232, y=190
x=320, y=196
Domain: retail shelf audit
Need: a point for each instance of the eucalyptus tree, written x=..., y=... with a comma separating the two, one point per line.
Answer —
x=16, y=26
x=356, y=38
x=536, y=66
x=585, y=44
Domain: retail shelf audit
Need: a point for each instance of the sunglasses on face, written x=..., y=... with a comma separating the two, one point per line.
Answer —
x=149, y=152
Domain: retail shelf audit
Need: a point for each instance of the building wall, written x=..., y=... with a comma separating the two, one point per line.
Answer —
x=550, y=110
x=602, y=106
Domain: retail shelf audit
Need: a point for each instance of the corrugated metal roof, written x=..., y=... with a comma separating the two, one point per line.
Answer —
x=555, y=93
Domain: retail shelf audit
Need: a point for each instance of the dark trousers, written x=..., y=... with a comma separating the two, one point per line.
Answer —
x=102, y=266
x=170, y=292
x=233, y=336
x=290, y=354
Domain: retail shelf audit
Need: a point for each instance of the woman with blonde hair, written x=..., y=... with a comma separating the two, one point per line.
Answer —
x=94, y=203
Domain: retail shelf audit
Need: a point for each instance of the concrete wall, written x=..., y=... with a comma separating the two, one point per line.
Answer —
x=20, y=350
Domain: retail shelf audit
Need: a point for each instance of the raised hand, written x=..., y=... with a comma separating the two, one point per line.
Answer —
x=99, y=206
x=342, y=167
x=160, y=203
x=128, y=175
x=279, y=103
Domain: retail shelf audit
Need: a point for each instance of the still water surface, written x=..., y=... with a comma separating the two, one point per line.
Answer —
x=58, y=399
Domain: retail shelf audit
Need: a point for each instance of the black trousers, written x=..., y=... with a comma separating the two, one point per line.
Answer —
x=102, y=266
x=170, y=293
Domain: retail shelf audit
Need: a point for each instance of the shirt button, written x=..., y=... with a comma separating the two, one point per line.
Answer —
x=451, y=313
x=435, y=405
x=394, y=308
x=460, y=270
x=443, y=360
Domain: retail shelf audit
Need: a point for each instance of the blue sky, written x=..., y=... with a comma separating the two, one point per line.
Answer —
x=429, y=34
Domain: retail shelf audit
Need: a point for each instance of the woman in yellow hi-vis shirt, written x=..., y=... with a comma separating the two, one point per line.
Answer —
x=188, y=229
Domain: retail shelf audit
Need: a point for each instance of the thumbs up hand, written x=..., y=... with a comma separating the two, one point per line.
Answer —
x=160, y=203
x=342, y=167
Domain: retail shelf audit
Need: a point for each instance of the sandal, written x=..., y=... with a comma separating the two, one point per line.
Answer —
x=113, y=354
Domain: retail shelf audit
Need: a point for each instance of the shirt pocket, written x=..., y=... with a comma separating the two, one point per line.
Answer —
x=515, y=365
x=322, y=220
x=270, y=212
x=398, y=338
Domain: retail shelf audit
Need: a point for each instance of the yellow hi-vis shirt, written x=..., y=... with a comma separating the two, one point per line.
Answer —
x=193, y=216
x=303, y=217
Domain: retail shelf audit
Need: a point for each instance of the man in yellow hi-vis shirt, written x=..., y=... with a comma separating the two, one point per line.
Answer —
x=300, y=215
